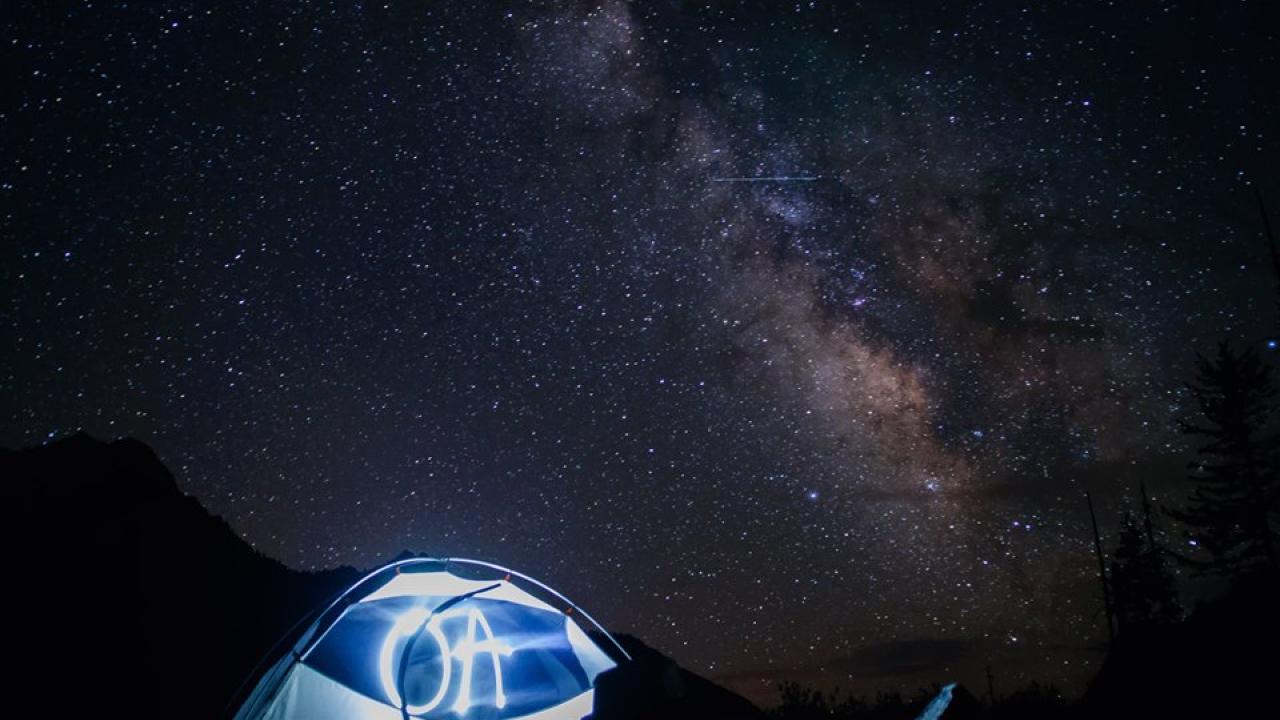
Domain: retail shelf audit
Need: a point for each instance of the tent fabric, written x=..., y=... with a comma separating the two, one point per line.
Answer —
x=418, y=640
x=309, y=694
x=443, y=584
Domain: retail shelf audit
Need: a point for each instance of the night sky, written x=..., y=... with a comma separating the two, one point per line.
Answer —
x=504, y=282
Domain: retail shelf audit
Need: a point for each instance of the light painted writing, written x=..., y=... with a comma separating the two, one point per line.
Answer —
x=476, y=638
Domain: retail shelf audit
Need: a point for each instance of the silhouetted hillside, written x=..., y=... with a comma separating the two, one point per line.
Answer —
x=653, y=687
x=129, y=594
x=128, y=597
x=1220, y=662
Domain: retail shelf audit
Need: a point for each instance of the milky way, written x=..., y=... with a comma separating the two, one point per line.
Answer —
x=491, y=282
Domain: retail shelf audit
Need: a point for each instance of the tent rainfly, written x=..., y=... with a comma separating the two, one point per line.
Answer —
x=438, y=638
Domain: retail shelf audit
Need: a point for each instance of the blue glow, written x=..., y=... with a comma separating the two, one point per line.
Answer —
x=938, y=705
x=543, y=664
x=419, y=620
x=413, y=622
x=467, y=649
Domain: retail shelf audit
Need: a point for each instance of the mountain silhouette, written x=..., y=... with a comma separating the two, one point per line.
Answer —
x=128, y=596
x=651, y=686
x=132, y=595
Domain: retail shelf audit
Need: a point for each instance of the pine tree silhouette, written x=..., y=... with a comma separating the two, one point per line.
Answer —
x=1233, y=519
x=1143, y=587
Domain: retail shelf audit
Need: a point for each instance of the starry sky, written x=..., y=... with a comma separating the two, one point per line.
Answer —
x=503, y=281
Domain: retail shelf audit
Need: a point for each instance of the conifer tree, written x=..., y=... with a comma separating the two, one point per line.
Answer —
x=1143, y=587
x=1233, y=517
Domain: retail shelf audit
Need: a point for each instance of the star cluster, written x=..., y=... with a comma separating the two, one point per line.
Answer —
x=469, y=279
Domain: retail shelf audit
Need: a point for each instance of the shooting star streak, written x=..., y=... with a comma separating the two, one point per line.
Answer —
x=772, y=178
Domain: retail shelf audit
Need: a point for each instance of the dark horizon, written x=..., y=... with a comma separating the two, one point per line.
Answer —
x=470, y=280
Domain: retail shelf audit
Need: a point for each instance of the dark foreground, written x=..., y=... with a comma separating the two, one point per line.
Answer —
x=127, y=595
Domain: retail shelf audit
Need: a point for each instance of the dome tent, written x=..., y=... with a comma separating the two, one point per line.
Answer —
x=438, y=638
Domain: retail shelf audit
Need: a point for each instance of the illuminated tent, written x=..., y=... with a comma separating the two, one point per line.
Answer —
x=452, y=638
